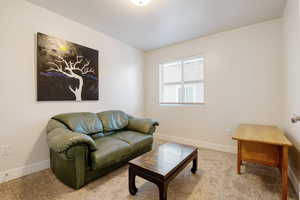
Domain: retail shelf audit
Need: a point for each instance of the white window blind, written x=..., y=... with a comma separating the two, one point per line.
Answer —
x=181, y=82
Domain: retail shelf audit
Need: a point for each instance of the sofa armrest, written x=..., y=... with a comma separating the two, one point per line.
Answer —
x=60, y=140
x=143, y=125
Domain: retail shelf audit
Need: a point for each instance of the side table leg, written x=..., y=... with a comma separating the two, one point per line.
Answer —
x=284, y=172
x=131, y=180
x=239, y=156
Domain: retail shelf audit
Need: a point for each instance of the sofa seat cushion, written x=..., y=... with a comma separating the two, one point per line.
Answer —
x=136, y=140
x=109, y=151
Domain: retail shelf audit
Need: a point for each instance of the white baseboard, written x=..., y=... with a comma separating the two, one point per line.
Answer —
x=198, y=143
x=23, y=171
x=294, y=181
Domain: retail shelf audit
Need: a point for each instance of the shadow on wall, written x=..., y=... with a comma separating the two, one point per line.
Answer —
x=38, y=180
x=39, y=153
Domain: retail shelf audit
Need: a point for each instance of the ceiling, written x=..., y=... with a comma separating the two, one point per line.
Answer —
x=164, y=22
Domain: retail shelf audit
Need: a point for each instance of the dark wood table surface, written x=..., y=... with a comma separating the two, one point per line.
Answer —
x=162, y=165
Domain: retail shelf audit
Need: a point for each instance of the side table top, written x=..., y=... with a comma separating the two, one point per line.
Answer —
x=262, y=134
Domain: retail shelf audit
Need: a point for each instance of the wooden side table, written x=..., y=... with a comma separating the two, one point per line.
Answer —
x=265, y=145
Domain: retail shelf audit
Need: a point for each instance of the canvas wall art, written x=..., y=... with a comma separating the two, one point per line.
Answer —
x=66, y=71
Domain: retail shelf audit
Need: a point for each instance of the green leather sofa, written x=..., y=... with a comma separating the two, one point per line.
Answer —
x=85, y=146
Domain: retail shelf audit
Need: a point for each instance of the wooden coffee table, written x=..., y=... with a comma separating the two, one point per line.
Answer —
x=162, y=165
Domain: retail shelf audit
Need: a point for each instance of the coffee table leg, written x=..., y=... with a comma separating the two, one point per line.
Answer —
x=195, y=163
x=163, y=191
x=131, y=179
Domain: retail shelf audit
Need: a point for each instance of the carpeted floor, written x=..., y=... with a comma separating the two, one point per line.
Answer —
x=216, y=179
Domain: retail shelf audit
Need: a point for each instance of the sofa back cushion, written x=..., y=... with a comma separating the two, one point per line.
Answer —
x=86, y=123
x=113, y=120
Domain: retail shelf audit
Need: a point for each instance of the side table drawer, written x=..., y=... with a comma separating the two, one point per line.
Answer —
x=266, y=154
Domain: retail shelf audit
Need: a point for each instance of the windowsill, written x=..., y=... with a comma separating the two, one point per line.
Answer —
x=181, y=104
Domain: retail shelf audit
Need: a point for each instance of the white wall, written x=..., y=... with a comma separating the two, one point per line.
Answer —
x=243, y=84
x=291, y=29
x=22, y=118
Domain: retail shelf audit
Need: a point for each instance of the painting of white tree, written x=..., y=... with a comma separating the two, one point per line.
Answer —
x=66, y=71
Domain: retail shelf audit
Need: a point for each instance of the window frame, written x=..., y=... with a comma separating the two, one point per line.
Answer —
x=182, y=82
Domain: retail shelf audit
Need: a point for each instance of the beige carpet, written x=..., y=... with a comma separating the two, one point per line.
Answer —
x=215, y=180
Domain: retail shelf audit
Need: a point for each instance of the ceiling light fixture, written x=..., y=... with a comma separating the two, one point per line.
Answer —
x=140, y=2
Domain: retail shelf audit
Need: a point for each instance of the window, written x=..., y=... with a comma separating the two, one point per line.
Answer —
x=181, y=82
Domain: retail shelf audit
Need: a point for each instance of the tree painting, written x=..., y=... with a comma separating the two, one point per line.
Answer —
x=70, y=71
x=66, y=71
